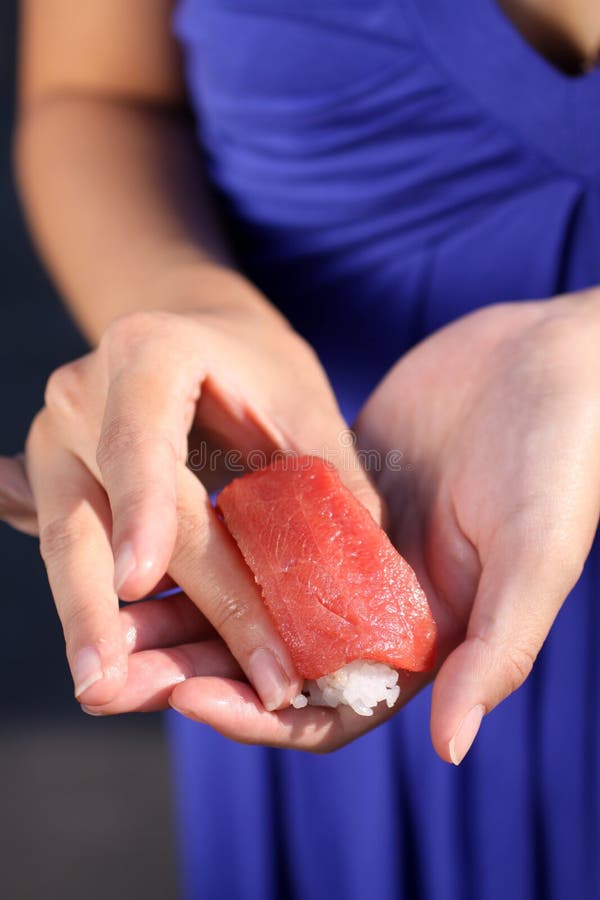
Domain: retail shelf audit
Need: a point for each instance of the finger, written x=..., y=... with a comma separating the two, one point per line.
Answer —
x=127, y=431
x=233, y=709
x=149, y=411
x=525, y=579
x=74, y=521
x=153, y=674
x=17, y=506
x=136, y=457
x=209, y=567
x=163, y=587
x=154, y=624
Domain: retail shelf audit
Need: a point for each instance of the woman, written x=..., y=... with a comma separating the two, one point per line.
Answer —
x=378, y=170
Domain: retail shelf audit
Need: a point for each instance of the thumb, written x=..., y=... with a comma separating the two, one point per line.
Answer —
x=17, y=506
x=526, y=577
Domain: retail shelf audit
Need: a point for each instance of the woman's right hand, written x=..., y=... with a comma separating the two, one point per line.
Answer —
x=118, y=509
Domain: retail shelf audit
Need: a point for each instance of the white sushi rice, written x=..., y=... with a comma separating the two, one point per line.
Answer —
x=361, y=684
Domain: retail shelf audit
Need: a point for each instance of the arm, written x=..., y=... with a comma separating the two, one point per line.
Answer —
x=108, y=167
x=187, y=349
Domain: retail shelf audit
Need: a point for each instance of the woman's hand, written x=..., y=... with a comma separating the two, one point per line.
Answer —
x=496, y=504
x=117, y=508
x=498, y=417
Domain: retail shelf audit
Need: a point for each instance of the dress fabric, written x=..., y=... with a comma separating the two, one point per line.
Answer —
x=385, y=166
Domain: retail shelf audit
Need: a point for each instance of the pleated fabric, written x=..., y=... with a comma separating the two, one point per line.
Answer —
x=385, y=166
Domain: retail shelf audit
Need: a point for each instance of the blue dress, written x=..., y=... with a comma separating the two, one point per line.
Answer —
x=386, y=166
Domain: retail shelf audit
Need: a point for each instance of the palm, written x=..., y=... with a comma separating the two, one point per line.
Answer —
x=496, y=419
x=435, y=411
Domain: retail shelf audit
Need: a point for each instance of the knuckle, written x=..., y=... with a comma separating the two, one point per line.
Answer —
x=121, y=436
x=183, y=661
x=125, y=334
x=508, y=664
x=63, y=395
x=517, y=663
x=123, y=328
x=193, y=529
x=59, y=537
x=77, y=619
x=131, y=500
x=116, y=438
x=229, y=612
x=124, y=438
x=190, y=533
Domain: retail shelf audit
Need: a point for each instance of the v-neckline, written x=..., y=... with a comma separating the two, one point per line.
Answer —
x=483, y=49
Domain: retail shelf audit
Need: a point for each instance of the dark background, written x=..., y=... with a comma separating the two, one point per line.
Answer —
x=84, y=803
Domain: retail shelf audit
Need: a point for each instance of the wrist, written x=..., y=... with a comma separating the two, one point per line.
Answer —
x=196, y=287
x=208, y=288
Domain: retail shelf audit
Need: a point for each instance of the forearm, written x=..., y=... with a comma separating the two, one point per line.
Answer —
x=119, y=209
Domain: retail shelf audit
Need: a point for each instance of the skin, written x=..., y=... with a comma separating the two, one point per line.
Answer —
x=106, y=460
x=185, y=348
x=567, y=32
x=497, y=528
x=113, y=187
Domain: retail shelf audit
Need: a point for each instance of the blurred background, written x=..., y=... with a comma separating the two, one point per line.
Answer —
x=84, y=803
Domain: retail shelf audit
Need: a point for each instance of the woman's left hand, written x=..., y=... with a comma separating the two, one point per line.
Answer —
x=495, y=504
x=498, y=501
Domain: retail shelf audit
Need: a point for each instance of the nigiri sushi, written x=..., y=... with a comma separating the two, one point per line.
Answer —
x=347, y=605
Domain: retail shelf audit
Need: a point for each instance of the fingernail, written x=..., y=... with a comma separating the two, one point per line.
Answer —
x=87, y=670
x=269, y=679
x=466, y=733
x=90, y=712
x=124, y=566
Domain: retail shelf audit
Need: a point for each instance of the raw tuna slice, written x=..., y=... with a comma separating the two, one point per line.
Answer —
x=333, y=583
